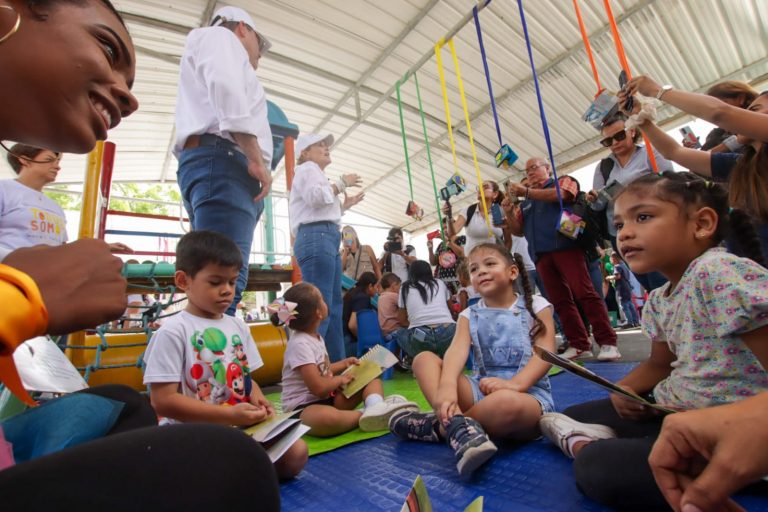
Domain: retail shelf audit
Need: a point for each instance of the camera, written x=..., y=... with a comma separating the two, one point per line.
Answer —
x=393, y=246
x=453, y=187
x=505, y=156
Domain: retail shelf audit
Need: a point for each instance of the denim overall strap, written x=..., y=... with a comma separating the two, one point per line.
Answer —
x=478, y=365
x=502, y=336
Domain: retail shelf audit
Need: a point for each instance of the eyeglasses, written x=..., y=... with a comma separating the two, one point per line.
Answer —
x=618, y=137
x=532, y=168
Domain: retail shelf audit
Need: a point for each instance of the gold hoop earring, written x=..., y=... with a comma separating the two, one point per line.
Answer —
x=16, y=25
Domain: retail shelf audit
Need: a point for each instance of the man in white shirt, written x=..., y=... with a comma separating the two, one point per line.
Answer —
x=223, y=139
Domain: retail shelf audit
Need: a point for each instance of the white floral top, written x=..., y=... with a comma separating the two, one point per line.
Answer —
x=719, y=297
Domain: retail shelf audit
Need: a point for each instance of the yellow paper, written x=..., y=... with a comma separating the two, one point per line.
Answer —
x=363, y=373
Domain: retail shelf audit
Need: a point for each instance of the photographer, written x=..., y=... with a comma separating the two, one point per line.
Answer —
x=395, y=259
x=626, y=162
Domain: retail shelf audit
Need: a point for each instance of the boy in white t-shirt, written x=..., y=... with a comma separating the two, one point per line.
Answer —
x=199, y=363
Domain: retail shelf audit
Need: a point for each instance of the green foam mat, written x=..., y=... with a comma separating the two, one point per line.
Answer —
x=401, y=384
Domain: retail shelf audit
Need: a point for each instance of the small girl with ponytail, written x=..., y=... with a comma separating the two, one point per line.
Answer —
x=708, y=328
x=312, y=383
x=508, y=390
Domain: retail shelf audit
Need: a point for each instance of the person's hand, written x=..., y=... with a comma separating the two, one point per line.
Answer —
x=688, y=143
x=592, y=196
x=630, y=409
x=517, y=189
x=640, y=84
x=263, y=402
x=623, y=96
x=702, y=457
x=743, y=140
x=448, y=406
x=507, y=205
x=490, y=384
x=352, y=180
x=118, y=247
x=350, y=201
x=430, y=244
x=245, y=414
x=258, y=170
x=342, y=380
x=350, y=361
x=81, y=283
x=447, y=209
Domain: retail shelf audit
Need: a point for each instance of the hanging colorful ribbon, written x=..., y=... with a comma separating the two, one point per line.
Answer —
x=405, y=140
x=505, y=156
x=587, y=46
x=542, y=113
x=429, y=156
x=438, y=50
x=625, y=66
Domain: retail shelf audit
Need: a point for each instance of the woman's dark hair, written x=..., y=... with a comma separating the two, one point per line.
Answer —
x=732, y=89
x=748, y=185
x=395, y=232
x=420, y=277
x=34, y=5
x=388, y=279
x=19, y=151
x=197, y=249
x=365, y=280
x=538, y=328
x=686, y=189
x=619, y=117
x=308, y=299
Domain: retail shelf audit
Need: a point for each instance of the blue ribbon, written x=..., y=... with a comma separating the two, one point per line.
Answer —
x=487, y=72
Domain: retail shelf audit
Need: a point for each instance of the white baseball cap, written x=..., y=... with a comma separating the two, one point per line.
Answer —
x=307, y=140
x=226, y=14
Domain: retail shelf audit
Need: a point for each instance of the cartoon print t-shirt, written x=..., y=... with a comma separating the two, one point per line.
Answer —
x=29, y=217
x=210, y=359
x=302, y=349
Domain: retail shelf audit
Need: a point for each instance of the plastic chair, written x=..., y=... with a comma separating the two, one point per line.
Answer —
x=369, y=335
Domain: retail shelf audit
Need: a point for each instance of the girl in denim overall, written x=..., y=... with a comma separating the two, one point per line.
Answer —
x=508, y=389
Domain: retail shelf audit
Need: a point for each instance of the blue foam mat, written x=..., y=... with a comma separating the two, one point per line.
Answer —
x=377, y=474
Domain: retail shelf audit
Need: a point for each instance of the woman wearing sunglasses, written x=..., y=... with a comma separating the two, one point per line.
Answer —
x=627, y=161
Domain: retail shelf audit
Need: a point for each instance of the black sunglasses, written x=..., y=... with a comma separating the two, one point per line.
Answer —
x=618, y=137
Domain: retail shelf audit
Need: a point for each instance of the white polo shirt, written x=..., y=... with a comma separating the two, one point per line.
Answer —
x=219, y=92
x=311, y=198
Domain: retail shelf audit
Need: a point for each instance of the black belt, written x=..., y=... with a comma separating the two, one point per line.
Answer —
x=208, y=139
x=318, y=223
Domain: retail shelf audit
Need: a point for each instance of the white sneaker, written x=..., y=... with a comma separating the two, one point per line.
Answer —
x=376, y=417
x=608, y=353
x=573, y=353
x=558, y=428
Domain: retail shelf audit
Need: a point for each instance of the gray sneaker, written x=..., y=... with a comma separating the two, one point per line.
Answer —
x=558, y=428
x=470, y=443
x=416, y=426
x=376, y=417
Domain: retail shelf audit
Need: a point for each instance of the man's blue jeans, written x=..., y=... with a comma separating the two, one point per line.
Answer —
x=317, y=251
x=218, y=194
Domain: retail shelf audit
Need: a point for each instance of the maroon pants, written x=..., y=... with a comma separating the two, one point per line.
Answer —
x=566, y=279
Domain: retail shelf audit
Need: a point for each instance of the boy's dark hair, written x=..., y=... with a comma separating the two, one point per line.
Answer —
x=686, y=189
x=307, y=298
x=388, y=279
x=20, y=151
x=538, y=328
x=199, y=248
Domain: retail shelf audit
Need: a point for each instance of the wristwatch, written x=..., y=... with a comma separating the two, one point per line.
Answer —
x=664, y=88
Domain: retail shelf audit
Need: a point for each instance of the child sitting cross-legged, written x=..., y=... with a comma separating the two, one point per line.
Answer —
x=199, y=363
x=509, y=389
x=708, y=328
x=313, y=384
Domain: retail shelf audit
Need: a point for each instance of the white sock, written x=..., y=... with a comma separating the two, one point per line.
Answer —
x=577, y=438
x=373, y=399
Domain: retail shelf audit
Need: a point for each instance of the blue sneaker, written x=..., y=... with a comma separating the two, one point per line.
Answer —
x=470, y=443
x=415, y=425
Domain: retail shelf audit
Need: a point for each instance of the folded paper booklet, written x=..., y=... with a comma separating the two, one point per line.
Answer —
x=44, y=367
x=582, y=372
x=278, y=433
x=418, y=500
x=371, y=365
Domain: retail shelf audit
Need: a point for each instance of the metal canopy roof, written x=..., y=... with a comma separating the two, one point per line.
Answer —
x=334, y=63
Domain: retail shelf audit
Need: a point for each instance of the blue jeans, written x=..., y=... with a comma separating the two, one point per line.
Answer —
x=317, y=251
x=630, y=311
x=218, y=195
x=422, y=339
x=596, y=276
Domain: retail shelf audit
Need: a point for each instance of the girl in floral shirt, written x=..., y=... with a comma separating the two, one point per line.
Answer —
x=708, y=326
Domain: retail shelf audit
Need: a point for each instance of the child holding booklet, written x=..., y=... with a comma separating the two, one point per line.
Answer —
x=708, y=326
x=199, y=363
x=509, y=389
x=313, y=384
